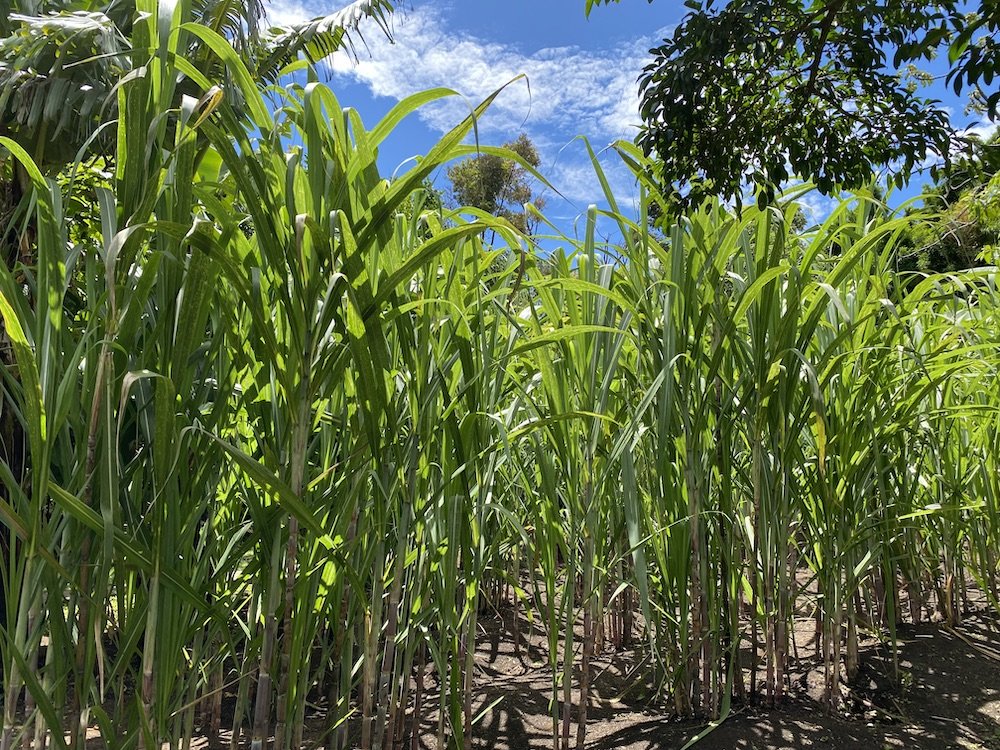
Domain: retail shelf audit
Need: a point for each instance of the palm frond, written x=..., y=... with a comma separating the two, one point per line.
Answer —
x=56, y=70
x=240, y=21
x=321, y=37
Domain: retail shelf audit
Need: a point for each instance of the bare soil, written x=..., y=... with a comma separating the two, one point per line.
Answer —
x=949, y=697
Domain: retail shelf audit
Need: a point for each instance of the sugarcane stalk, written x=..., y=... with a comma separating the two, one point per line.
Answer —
x=588, y=639
x=418, y=698
x=78, y=697
x=262, y=700
x=392, y=622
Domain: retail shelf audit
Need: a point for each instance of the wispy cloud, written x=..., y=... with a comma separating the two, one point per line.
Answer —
x=569, y=90
x=817, y=207
x=573, y=174
x=286, y=12
x=983, y=130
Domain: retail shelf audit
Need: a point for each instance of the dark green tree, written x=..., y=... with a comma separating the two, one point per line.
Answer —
x=963, y=208
x=497, y=185
x=61, y=59
x=758, y=91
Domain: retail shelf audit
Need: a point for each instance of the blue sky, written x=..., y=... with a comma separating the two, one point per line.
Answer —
x=581, y=80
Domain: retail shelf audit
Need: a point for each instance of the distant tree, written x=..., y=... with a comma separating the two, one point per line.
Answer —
x=498, y=186
x=964, y=230
x=756, y=91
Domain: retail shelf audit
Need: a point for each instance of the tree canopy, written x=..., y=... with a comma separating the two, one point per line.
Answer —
x=498, y=185
x=61, y=62
x=760, y=91
x=965, y=202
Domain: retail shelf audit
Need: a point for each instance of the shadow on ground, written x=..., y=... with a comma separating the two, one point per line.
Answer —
x=950, y=699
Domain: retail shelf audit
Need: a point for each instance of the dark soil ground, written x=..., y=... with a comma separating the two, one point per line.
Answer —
x=949, y=698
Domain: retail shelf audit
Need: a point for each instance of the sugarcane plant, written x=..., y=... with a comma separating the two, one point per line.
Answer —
x=293, y=432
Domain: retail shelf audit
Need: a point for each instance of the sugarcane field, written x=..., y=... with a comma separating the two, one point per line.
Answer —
x=463, y=375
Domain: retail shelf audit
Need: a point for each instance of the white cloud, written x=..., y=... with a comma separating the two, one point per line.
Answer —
x=569, y=89
x=573, y=174
x=983, y=129
x=287, y=12
x=817, y=207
